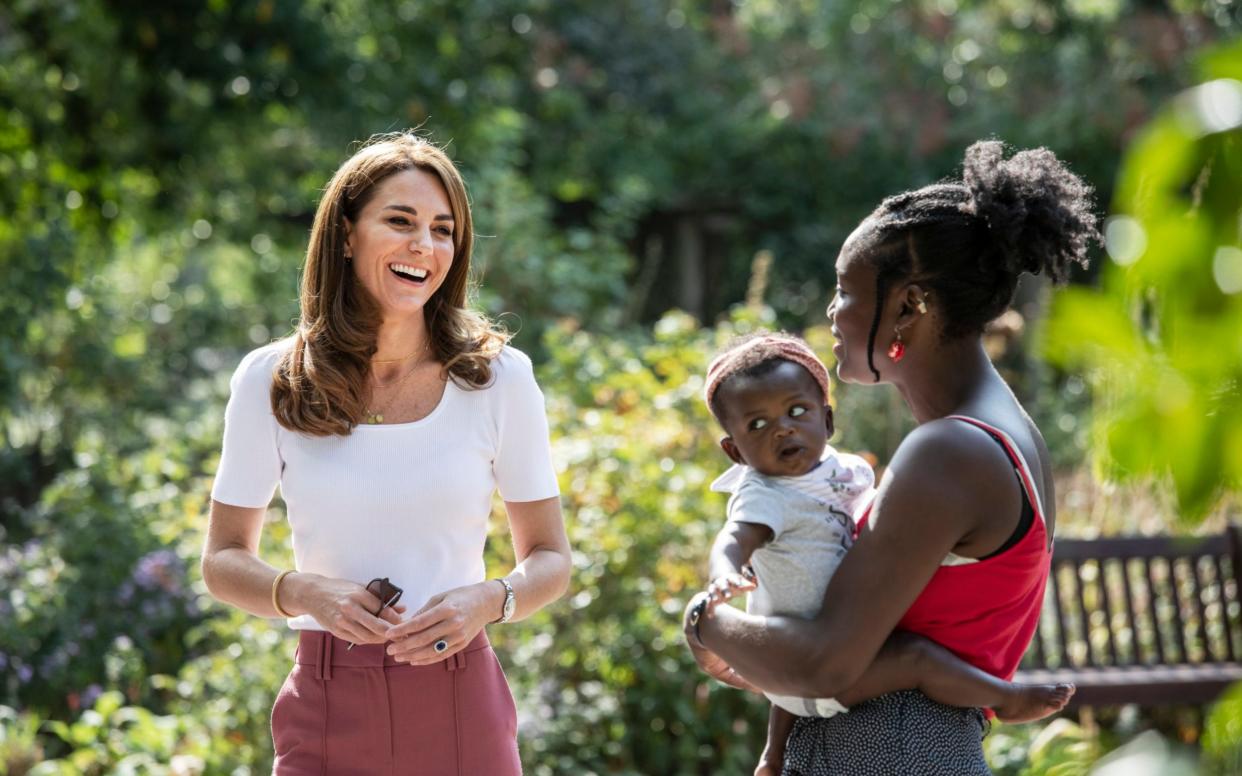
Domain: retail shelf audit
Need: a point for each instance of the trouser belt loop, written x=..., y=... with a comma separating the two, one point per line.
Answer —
x=324, y=659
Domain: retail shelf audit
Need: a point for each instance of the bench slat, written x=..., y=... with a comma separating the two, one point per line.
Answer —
x=1200, y=609
x=1136, y=647
x=1056, y=606
x=1179, y=625
x=1106, y=600
x=1224, y=606
x=1083, y=619
x=1154, y=611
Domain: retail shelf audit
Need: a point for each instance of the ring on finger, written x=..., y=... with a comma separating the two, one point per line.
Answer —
x=440, y=646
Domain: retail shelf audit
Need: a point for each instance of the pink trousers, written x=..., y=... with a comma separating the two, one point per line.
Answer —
x=358, y=713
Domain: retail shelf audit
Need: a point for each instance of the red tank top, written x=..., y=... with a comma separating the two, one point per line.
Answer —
x=986, y=612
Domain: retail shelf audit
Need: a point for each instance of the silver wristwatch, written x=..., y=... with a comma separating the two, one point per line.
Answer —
x=510, y=602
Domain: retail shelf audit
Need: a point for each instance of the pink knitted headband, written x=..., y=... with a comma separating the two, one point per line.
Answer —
x=790, y=349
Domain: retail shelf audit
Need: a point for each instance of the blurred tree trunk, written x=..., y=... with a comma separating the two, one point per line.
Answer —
x=690, y=268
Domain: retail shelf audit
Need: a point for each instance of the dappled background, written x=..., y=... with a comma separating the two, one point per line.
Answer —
x=649, y=178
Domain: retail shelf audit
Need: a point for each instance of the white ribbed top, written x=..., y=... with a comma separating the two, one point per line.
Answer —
x=409, y=501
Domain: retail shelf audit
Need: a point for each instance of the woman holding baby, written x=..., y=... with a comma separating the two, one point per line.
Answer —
x=955, y=547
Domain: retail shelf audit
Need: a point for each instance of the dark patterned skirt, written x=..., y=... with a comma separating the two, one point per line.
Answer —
x=900, y=733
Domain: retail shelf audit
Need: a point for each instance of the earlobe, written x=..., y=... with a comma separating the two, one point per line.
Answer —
x=730, y=449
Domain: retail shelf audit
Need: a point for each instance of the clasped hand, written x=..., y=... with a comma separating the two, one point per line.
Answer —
x=455, y=616
x=346, y=609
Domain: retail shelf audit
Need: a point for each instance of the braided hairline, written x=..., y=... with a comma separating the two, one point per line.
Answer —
x=894, y=252
x=976, y=236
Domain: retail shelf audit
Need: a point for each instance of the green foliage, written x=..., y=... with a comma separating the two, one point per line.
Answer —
x=159, y=168
x=604, y=681
x=1222, y=734
x=1059, y=748
x=1162, y=338
x=20, y=748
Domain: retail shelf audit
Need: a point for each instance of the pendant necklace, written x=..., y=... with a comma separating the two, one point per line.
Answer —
x=376, y=416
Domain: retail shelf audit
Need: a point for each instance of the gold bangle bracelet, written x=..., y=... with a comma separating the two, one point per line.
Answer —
x=275, y=588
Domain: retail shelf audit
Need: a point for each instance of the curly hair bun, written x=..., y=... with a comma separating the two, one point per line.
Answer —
x=1038, y=212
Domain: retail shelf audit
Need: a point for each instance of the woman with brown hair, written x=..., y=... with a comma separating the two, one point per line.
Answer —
x=388, y=420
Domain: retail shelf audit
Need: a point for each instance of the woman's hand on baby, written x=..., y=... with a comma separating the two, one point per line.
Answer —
x=344, y=608
x=711, y=663
x=455, y=617
x=723, y=588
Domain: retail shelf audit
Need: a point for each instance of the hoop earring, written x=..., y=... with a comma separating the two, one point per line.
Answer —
x=897, y=350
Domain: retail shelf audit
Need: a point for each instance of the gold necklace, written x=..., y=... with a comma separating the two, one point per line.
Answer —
x=376, y=416
x=397, y=360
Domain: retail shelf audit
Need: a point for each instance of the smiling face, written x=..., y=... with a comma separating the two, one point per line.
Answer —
x=777, y=422
x=851, y=312
x=402, y=242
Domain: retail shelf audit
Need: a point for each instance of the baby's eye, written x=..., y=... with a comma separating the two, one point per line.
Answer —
x=757, y=424
x=796, y=411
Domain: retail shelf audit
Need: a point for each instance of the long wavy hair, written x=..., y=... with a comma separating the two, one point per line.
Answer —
x=321, y=383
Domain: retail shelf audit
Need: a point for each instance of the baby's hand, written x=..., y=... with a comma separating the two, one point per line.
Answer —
x=725, y=587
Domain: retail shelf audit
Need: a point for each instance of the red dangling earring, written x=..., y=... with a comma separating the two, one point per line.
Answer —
x=897, y=350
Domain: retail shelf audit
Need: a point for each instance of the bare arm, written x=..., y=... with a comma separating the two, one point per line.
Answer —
x=729, y=561
x=734, y=545
x=929, y=503
x=542, y=550
x=456, y=616
x=232, y=570
x=234, y=574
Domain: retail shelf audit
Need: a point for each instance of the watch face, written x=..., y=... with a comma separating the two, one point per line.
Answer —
x=510, y=605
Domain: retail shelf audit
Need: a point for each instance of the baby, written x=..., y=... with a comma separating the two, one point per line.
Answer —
x=790, y=522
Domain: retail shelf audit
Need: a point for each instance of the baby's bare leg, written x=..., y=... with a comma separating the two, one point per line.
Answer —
x=780, y=725
x=910, y=662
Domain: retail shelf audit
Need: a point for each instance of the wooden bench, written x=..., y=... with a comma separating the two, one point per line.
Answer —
x=1146, y=620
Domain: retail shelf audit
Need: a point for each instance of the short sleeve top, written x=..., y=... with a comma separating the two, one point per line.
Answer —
x=407, y=501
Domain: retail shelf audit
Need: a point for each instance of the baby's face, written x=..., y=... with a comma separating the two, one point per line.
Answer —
x=777, y=422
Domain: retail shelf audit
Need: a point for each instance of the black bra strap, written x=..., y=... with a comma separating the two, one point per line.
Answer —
x=1027, y=518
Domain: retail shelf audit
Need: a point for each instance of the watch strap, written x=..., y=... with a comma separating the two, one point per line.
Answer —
x=506, y=608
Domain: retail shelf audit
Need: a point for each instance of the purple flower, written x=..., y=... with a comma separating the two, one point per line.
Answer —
x=158, y=569
x=90, y=695
x=24, y=672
